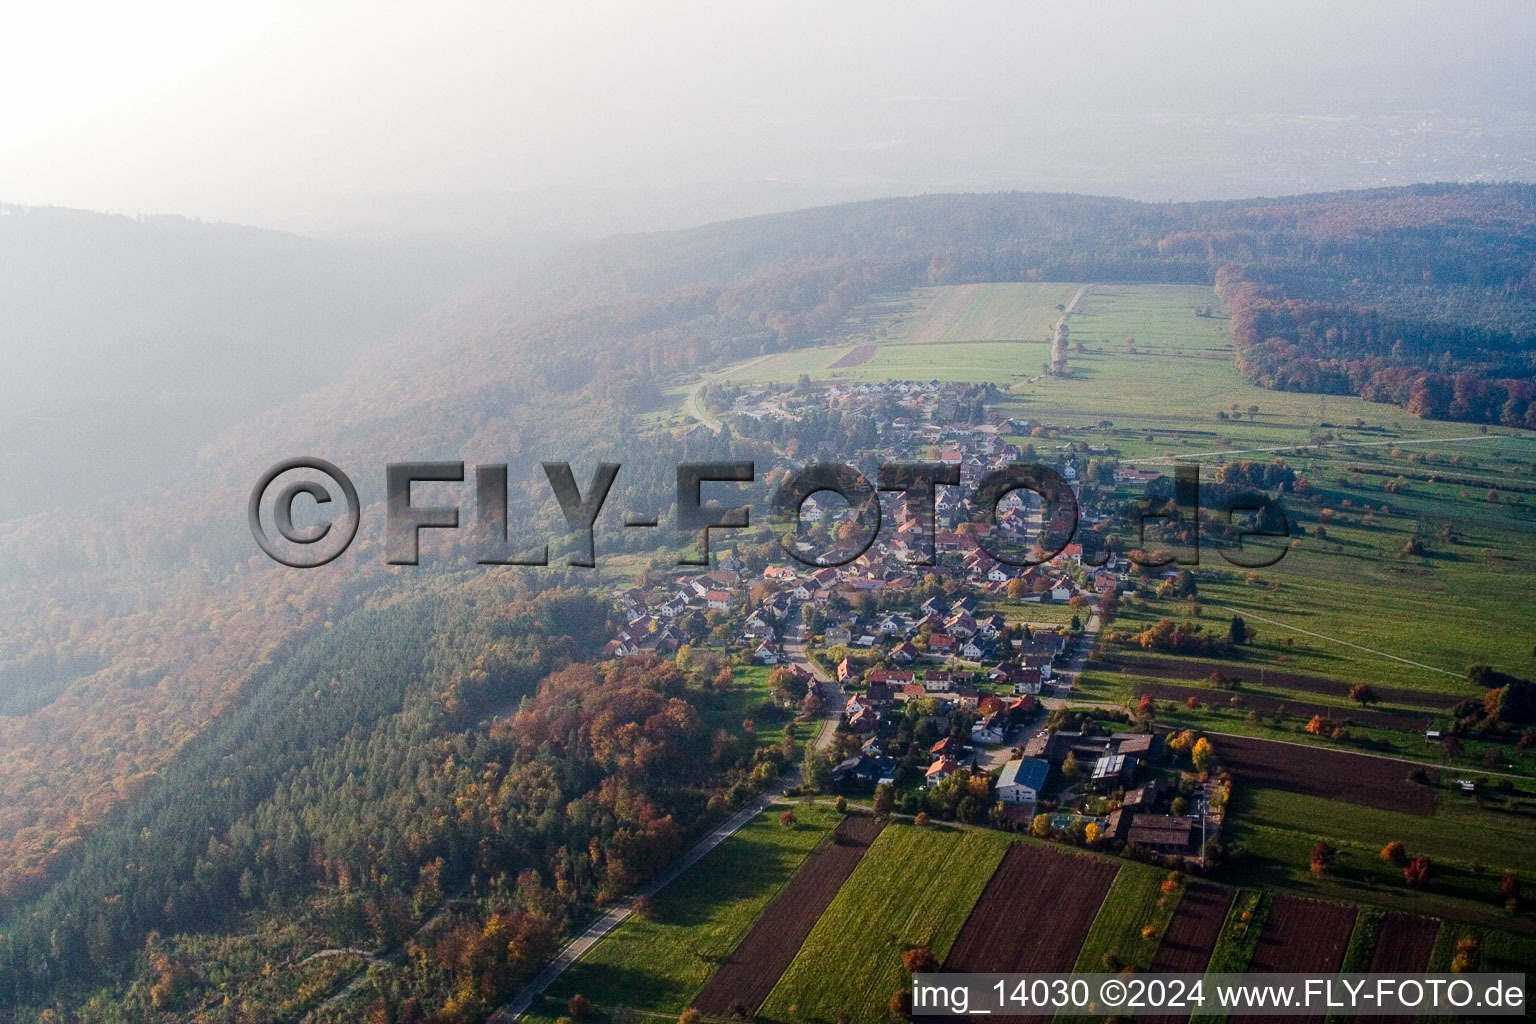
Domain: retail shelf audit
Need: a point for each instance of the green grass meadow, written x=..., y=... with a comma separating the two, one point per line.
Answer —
x=915, y=887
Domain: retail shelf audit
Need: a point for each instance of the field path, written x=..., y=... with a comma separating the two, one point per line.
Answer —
x=1345, y=643
x=1072, y=306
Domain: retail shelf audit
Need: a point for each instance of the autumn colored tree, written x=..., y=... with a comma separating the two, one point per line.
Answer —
x=1315, y=725
x=1416, y=872
x=1466, y=956
x=578, y=1006
x=1203, y=755
x=1394, y=853
x=788, y=819
x=919, y=960
x=1321, y=859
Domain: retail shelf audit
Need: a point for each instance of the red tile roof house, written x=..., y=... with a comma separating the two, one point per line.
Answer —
x=940, y=770
x=946, y=747
x=863, y=720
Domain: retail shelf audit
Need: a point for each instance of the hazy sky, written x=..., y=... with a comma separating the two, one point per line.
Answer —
x=256, y=111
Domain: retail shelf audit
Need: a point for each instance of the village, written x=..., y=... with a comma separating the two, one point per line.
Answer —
x=952, y=669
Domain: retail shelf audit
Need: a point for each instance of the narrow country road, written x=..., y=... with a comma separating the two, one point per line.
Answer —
x=1066, y=679
x=693, y=407
x=1071, y=307
x=834, y=696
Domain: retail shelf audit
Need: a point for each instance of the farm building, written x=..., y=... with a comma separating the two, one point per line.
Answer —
x=1163, y=833
x=1111, y=770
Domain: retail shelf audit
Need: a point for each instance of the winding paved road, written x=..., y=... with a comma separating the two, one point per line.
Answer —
x=692, y=407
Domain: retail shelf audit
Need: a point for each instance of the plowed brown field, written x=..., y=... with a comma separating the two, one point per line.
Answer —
x=1301, y=936
x=756, y=964
x=1033, y=915
x=1318, y=771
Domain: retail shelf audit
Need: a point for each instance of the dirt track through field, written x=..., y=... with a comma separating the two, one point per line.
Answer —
x=1301, y=936
x=754, y=967
x=1033, y=915
x=1380, y=782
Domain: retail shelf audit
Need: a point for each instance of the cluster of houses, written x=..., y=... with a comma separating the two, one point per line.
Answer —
x=651, y=615
x=874, y=765
x=998, y=696
x=1114, y=763
x=929, y=400
x=946, y=652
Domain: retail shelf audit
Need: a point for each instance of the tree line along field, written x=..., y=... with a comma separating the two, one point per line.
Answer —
x=968, y=896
